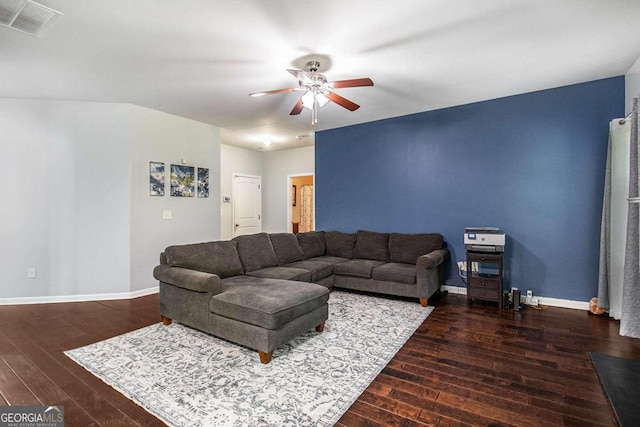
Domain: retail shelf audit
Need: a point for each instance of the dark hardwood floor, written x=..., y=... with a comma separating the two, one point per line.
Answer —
x=466, y=365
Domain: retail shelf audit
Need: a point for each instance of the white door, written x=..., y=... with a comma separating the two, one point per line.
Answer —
x=247, y=205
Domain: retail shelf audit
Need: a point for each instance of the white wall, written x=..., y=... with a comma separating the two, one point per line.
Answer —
x=277, y=166
x=236, y=160
x=66, y=199
x=75, y=199
x=273, y=167
x=162, y=137
x=76, y=203
x=632, y=85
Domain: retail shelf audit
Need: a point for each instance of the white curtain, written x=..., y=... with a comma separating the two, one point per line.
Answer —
x=613, y=234
x=630, y=320
x=306, y=210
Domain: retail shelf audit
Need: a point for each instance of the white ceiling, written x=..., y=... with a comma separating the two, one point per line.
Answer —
x=201, y=58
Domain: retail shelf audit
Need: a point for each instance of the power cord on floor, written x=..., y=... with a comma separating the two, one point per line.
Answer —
x=462, y=267
x=537, y=307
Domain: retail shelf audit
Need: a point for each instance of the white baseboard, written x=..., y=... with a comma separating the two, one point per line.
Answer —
x=553, y=302
x=454, y=289
x=565, y=303
x=78, y=298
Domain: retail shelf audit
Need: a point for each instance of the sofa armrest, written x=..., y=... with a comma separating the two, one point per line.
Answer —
x=430, y=272
x=432, y=259
x=185, y=278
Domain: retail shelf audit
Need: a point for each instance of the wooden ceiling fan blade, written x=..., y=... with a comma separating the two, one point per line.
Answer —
x=297, y=109
x=343, y=102
x=339, y=84
x=271, y=92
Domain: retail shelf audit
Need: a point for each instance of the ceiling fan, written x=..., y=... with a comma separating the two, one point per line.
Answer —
x=318, y=91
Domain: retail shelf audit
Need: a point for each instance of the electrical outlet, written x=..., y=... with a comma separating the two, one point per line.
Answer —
x=529, y=296
x=31, y=273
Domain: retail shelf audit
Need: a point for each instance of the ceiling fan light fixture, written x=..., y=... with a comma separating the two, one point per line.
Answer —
x=322, y=99
x=318, y=92
x=310, y=98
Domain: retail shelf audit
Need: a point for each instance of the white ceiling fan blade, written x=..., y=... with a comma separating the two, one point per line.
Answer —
x=300, y=75
x=271, y=92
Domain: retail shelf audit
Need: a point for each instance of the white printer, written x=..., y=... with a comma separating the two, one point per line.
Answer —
x=484, y=239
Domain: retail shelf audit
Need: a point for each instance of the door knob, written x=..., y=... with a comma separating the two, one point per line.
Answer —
x=237, y=225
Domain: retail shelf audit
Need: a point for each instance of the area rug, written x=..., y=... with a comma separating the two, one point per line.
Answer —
x=189, y=378
x=620, y=379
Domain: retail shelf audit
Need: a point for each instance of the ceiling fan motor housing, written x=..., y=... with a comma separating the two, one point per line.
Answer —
x=313, y=66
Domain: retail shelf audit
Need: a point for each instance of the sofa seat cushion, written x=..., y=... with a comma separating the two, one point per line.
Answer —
x=407, y=248
x=395, y=272
x=330, y=259
x=268, y=303
x=318, y=269
x=219, y=258
x=356, y=267
x=256, y=251
x=283, y=273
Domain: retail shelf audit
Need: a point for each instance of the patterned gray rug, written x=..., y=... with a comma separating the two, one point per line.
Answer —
x=188, y=378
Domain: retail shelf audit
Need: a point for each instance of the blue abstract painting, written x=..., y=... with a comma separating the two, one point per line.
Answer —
x=203, y=182
x=183, y=183
x=156, y=178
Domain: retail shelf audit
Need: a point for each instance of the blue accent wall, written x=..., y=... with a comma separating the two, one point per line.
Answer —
x=530, y=164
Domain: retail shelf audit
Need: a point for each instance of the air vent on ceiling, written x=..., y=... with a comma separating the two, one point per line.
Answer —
x=27, y=16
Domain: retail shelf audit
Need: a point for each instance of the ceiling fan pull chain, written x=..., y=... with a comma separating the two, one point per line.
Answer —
x=316, y=107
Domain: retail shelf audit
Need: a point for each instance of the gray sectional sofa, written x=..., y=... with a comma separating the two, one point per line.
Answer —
x=262, y=290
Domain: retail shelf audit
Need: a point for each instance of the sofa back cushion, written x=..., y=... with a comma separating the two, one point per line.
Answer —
x=406, y=248
x=219, y=258
x=286, y=247
x=340, y=244
x=256, y=252
x=372, y=245
x=312, y=243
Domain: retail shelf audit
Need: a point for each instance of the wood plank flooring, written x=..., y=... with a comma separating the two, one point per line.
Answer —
x=466, y=365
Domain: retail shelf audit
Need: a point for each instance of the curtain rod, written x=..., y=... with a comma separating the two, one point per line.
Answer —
x=623, y=121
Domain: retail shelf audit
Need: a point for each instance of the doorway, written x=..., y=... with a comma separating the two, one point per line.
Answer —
x=247, y=204
x=301, y=211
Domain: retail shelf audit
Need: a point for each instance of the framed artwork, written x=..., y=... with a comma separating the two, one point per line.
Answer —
x=293, y=195
x=183, y=182
x=203, y=182
x=156, y=179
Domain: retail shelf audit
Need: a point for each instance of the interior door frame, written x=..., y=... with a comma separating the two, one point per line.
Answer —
x=233, y=198
x=289, y=201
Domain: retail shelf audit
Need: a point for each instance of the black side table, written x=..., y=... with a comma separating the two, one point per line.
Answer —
x=486, y=287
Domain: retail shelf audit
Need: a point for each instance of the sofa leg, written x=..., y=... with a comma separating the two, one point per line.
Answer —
x=423, y=302
x=320, y=327
x=265, y=357
x=165, y=320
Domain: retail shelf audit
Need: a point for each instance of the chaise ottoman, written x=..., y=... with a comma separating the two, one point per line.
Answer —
x=263, y=313
x=259, y=313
